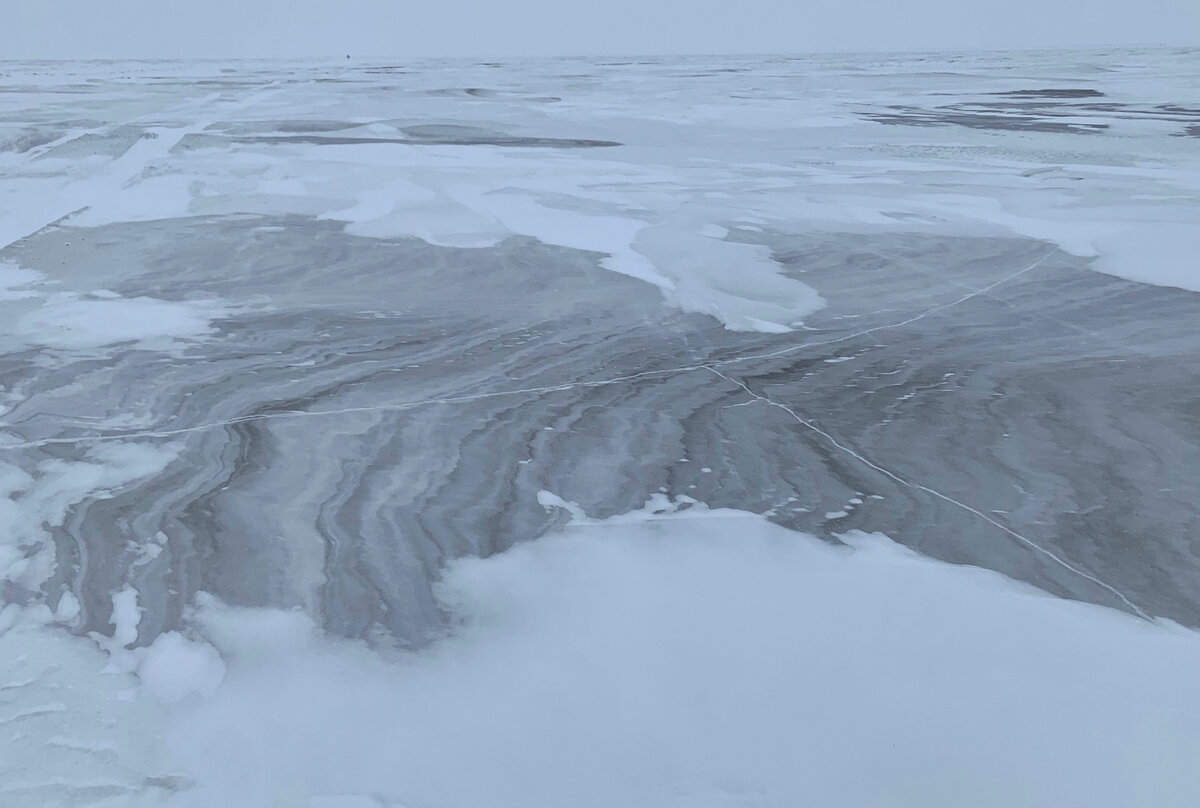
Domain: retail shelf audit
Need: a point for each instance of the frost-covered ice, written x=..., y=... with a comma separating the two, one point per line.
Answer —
x=331, y=393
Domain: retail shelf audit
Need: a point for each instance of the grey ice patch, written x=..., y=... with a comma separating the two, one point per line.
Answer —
x=451, y=140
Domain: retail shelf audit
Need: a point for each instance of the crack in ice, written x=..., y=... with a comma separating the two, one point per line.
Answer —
x=933, y=492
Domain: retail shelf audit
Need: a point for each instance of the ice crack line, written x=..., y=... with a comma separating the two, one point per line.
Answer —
x=1096, y=335
x=982, y=292
x=934, y=493
x=556, y=388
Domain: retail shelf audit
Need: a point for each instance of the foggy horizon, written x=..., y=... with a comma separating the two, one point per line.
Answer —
x=369, y=29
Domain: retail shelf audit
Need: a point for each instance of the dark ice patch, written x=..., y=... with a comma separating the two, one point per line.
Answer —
x=1036, y=111
x=450, y=140
x=287, y=126
x=1054, y=93
x=31, y=138
x=447, y=131
x=485, y=93
x=978, y=119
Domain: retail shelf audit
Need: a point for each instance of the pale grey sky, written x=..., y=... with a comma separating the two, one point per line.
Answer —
x=399, y=28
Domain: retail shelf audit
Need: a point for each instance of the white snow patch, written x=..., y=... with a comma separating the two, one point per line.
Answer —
x=691, y=657
x=31, y=314
x=68, y=608
x=68, y=322
x=739, y=284
x=15, y=282
x=126, y=615
x=71, y=736
x=1160, y=253
x=175, y=667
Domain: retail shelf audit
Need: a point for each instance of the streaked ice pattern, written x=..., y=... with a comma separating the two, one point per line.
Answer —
x=739, y=351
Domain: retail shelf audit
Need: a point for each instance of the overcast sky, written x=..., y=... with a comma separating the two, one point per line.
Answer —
x=248, y=28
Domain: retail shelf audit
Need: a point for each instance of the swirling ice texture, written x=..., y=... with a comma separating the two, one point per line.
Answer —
x=340, y=451
x=358, y=317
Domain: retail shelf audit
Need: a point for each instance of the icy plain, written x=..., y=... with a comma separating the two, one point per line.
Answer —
x=669, y=432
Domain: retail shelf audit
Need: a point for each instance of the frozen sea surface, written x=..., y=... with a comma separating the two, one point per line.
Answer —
x=292, y=355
